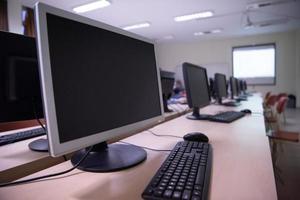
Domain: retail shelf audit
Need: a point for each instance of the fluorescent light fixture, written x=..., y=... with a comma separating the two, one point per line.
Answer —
x=199, y=15
x=91, y=6
x=168, y=37
x=216, y=31
x=207, y=32
x=136, y=26
x=198, y=33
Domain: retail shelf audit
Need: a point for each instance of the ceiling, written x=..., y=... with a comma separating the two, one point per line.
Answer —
x=229, y=15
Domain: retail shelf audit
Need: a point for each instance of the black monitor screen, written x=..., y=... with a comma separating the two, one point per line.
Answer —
x=101, y=80
x=196, y=84
x=20, y=95
x=233, y=86
x=167, y=83
x=220, y=83
x=238, y=87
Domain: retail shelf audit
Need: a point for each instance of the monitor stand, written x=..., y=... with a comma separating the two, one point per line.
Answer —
x=108, y=158
x=40, y=145
x=196, y=115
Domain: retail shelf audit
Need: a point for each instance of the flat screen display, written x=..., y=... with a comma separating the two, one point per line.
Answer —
x=101, y=79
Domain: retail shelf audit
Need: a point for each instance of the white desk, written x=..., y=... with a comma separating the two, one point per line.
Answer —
x=17, y=160
x=242, y=165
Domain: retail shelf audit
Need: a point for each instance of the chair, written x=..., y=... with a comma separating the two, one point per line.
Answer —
x=269, y=105
x=274, y=117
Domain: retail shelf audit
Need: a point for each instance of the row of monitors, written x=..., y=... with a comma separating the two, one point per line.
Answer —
x=20, y=96
x=98, y=82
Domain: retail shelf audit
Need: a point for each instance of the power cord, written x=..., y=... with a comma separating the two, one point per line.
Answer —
x=162, y=135
x=49, y=175
x=148, y=148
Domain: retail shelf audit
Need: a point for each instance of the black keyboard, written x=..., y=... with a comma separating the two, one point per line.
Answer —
x=185, y=174
x=227, y=117
x=19, y=136
x=231, y=104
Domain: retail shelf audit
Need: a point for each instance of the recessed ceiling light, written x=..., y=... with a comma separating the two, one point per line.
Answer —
x=207, y=32
x=216, y=31
x=136, y=26
x=198, y=33
x=168, y=37
x=91, y=6
x=199, y=15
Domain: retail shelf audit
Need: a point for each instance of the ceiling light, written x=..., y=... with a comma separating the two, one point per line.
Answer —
x=136, y=26
x=207, y=32
x=216, y=31
x=199, y=15
x=91, y=6
x=198, y=33
x=168, y=37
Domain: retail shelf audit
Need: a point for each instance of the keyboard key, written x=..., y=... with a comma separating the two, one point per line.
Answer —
x=177, y=195
x=186, y=194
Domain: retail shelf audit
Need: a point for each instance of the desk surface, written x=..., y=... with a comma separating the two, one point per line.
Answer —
x=17, y=160
x=242, y=165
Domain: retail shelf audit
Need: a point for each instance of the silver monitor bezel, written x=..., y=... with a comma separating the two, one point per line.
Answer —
x=57, y=148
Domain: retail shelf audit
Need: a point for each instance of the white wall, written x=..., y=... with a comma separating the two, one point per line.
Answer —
x=298, y=67
x=212, y=52
x=14, y=9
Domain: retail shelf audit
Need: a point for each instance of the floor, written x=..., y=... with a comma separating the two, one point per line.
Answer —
x=287, y=167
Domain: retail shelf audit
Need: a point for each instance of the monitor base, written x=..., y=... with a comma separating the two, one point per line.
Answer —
x=108, y=158
x=198, y=117
x=40, y=145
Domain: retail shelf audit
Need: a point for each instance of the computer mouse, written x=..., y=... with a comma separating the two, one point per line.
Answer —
x=196, y=137
x=247, y=111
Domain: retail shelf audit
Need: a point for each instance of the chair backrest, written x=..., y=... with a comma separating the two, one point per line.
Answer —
x=281, y=95
x=271, y=101
x=268, y=94
x=281, y=104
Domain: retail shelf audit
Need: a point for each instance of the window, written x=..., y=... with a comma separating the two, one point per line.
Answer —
x=255, y=64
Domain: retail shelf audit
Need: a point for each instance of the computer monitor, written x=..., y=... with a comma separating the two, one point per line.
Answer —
x=242, y=86
x=220, y=87
x=212, y=89
x=167, y=85
x=197, y=91
x=20, y=93
x=245, y=85
x=233, y=87
x=20, y=97
x=99, y=83
x=238, y=86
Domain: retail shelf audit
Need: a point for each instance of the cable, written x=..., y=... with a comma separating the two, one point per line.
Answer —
x=151, y=149
x=65, y=157
x=36, y=116
x=49, y=175
x=42, y=125
x=163, y=135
